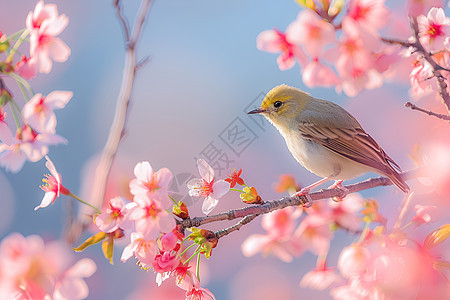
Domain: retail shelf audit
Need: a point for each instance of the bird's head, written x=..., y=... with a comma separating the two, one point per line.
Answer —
x=282, y=104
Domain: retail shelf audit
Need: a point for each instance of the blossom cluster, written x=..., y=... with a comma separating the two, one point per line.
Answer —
x=35, y=120
x=343, y=46
x=385, y=263
x=32, y=269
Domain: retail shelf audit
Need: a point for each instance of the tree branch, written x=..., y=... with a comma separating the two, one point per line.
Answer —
x=442, y=86
x=253, y=211
x=117, y=129
x=415, y=107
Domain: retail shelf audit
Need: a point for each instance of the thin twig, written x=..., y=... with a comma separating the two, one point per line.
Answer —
x=237, y=226
x=270, y=206
x=123, y=20
x=117, y=129
x=442, y=85
x=402, y=43
x=415, y=107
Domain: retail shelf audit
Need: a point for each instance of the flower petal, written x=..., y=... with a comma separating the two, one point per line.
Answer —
x=220, y=188
x=209, y=204
x=143, y=171
x=205, y=170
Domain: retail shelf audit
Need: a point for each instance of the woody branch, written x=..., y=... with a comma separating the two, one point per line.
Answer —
x=250, y=213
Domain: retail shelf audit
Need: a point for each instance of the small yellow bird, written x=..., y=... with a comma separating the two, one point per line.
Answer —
x=326, y=139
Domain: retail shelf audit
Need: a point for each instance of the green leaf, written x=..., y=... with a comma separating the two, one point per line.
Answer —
x=97, y=238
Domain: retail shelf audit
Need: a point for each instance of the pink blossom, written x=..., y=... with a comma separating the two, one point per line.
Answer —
x=52, y=186
x=433, y=29
x=32, y=269
x=280, y=225
x=354, y=260
x=319, y=279
x=317, y=74
x=314, y=234
x=26, y=67
x=5, y=133
x=371, y=14
x=169, y=241
x=149, y=182
x=345, y=213
x=71, y=285
x=166, y=261
x=420, y=79
x=44, y=24
x=420, y=7
x=191, y=284
x=28, y=144
x=38, y=112
x=311, y=31
x=151, y=217
x=144, y=250
x=275, y=41
x=425, y=214
x=115, y=216
x=207, y=187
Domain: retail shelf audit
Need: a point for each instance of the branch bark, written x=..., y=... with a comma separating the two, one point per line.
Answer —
x=429, y=112
x=251, y=212
x=117, y=129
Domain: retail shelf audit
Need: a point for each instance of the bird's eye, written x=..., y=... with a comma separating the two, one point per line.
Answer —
x=277, y=104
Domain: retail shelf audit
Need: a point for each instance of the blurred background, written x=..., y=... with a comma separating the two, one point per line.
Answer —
x=204, y=72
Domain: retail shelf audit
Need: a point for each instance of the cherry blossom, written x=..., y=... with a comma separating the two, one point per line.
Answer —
x=193, y=289
x=166, y=261
x=207, y=186
x=318, y=74
x=425, y=214
x=5, y=133
x=151, y=217
x=235, y=177
x=149, y=182
x=275, y=41
x=345, y=213
x=371, y=14
x=311, y=31
x=44, y=24
x=26, y=67
x=115, y=216
x=52, y=187
x=144, y=250
x=280, y=226
x=319, y=279
x=32, y=269
x=354, y=260
x=419, y=7
x=314, y=234
x=38, y=112
x=433, y=29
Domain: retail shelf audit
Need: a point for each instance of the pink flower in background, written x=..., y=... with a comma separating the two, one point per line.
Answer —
x=151, y=217
x=280, y=225
x=207, y=187
x=346, y=213
x=71, y=284
x=320, y=279
x=26, y=67
x=420, y=79
x=52, y=187
x=371, y=14
x=311, y=31
x=433, y=29
x=32, y=269
x=354, y=261
x=38, y=112
x=149, y=182
x=275, y=41
x=44, y=24
x=144, y=250
x=314, y=234
x=318, y=74
x=12, y=157
x=420, y=7
x=5, y=133
x=425, y=214
x=115, y=216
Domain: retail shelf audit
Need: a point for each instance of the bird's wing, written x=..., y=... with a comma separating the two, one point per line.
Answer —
x=352, y=143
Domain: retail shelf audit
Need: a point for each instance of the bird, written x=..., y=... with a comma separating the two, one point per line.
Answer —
x=325, y=138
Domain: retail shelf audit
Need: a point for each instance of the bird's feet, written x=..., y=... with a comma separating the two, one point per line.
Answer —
x=338, y=185
x=305, y=192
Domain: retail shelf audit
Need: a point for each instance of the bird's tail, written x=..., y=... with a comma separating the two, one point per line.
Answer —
x=398, y=180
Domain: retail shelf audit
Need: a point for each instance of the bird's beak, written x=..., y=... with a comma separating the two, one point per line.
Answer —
x=257, y=111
